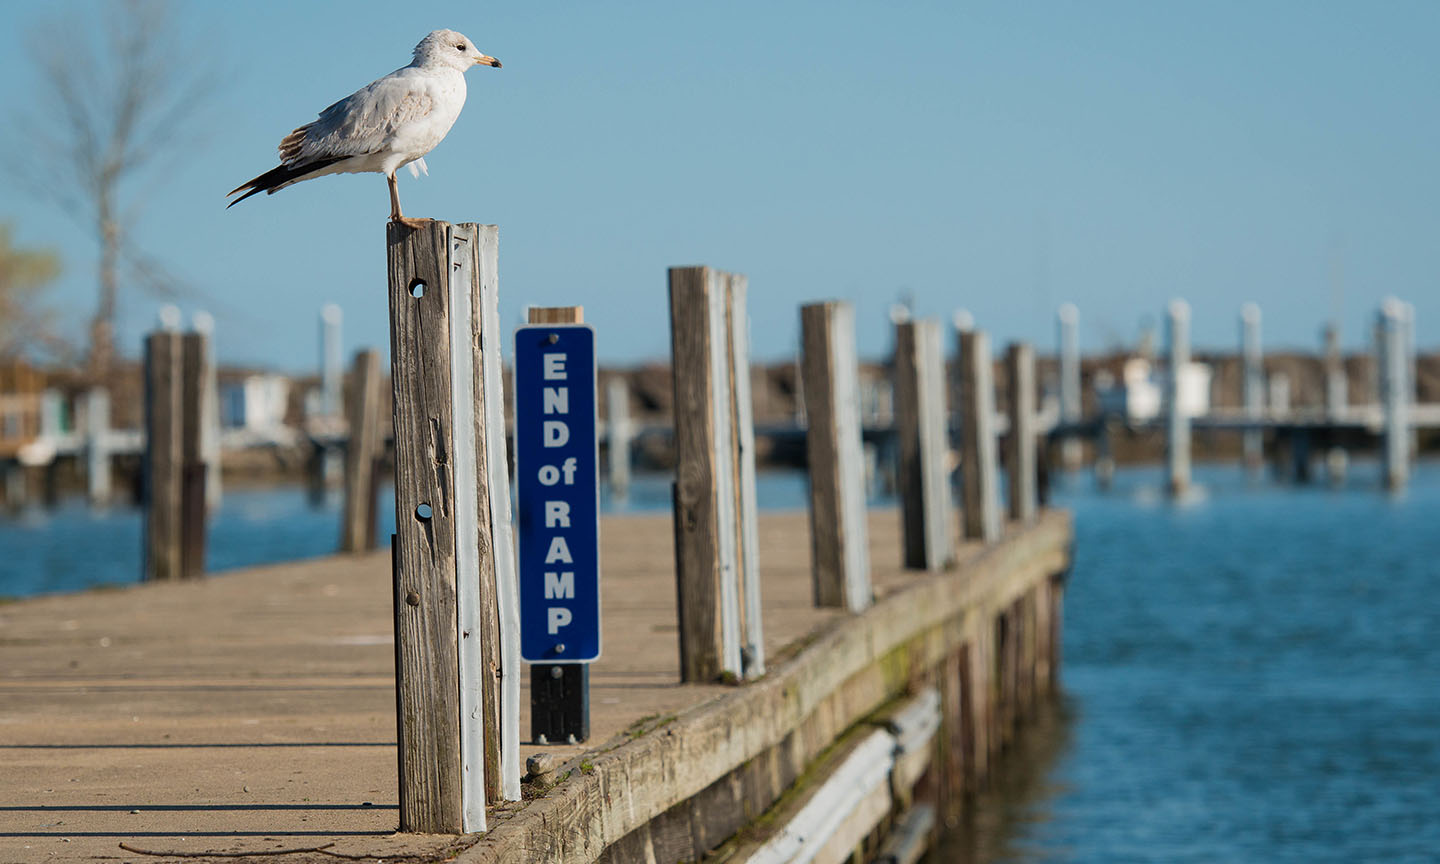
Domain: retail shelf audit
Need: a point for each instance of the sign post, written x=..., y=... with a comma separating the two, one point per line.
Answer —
x=557, y=492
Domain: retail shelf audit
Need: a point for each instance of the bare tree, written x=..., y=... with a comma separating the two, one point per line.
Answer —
x=108, y=110
x=24, y=319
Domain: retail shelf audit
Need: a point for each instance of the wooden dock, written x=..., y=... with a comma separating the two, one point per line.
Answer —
x=255, y=711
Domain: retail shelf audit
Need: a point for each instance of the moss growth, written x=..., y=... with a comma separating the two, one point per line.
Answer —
x=587, y=767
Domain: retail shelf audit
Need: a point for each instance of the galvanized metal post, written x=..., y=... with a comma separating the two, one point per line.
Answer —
x=1395, y=453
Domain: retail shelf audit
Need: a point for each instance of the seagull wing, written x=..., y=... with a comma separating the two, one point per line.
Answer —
x=361, y=124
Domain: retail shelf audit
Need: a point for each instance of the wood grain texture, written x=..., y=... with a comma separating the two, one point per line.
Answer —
x=164, y=456
x=556, y=315
x=746, y=499
x=850, y=668
x=426, y=675
x=698, y=539
x=840, y=569
x=196, y=375
x=980, y=508
x=358, y=519
x=923, y=483
x=1020, y=456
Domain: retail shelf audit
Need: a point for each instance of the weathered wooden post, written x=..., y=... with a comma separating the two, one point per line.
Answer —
x=1177, y=419
x=174, y=473
x=924, y=484
x=840, y=565
x=331, y=383
x=1068, y=322
x=98, y=485
x=362, y=455
x=457, y=681
x=980, y=504
x=1395, y=443
x=620, y=432
x=717, y=559
x=1020, y=366
x=1253, y=385
x=209, y=445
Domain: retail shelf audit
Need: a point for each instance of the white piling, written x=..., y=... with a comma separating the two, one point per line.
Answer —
x=1177, y=455
x=1394, y=397
x=1254, y=385
x=619, y=432
x=1068, y=324
x=98, y=484
x=203, y=322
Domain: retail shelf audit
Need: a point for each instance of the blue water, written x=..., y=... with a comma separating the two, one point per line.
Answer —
x=1250, y=675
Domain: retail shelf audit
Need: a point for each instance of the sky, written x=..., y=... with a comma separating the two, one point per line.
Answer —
x=998, y=157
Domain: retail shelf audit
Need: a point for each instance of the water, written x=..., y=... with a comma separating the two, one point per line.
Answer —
x=72, y=548
x=1250, y=675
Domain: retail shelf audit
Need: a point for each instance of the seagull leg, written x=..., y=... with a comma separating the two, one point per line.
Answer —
x=395, y=215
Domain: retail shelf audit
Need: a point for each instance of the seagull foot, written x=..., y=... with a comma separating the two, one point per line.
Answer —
x=412, y=224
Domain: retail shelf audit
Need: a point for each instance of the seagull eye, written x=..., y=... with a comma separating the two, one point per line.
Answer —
x=460, y=47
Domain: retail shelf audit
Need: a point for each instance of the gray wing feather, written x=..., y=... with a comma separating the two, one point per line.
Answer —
x=361, y=123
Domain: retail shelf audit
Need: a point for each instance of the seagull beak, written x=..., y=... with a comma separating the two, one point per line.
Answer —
x=484, y=60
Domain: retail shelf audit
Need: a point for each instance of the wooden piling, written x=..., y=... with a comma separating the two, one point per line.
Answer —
x=980, y=508
x=163, y=456
x=195, y=377
x=1068, y=323
x=1253, y=396
x=1177, y=425
x=362, y=455
x=620, y=433
x=747, y=521
x=920, y=414
x=1395, y=437
x=452, y=548
x=706, y=557
x=838, y=533
x=1020, y=443
x=98, y=477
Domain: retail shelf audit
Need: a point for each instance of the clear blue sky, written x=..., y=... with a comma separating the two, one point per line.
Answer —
x=1003, y=157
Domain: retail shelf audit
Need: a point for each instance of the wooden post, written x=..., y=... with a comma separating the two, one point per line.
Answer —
x=1395, y=444
x=1253, y=396
x=924, y=484
x=453, y=553
x=362, y=455
x=163, y=456
x=194, y=378
x=1068, y=321
x=98, y=485
x=980, y=516
x=747, y=539
x=1336, y=396
x=840, y=564
x=209, y=412
x=619, y=434
x=1177, y=426
x=1020, y=366
x=706, y=554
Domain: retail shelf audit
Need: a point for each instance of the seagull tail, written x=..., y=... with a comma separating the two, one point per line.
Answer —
x=278, y=178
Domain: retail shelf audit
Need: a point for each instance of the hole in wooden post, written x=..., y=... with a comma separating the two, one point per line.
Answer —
x=417, y=288
x=423, y=513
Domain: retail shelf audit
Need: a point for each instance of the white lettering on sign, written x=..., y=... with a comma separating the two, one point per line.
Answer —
x=569, y=470
x=549, y=475
x=559, y=551
x=557, y=514
x=556, y=400
x=559, y=616
x=556, y=433
x=559, y=586
x=554, y=367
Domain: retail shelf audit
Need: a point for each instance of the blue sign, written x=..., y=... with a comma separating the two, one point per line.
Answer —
x=557, y=493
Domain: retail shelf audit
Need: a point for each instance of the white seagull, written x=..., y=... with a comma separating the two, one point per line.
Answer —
x=392, y=122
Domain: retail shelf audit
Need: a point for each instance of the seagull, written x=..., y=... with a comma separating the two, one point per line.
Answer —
x=389, y=123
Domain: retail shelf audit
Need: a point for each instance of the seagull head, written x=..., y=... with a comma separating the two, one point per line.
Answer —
x=448, y=48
